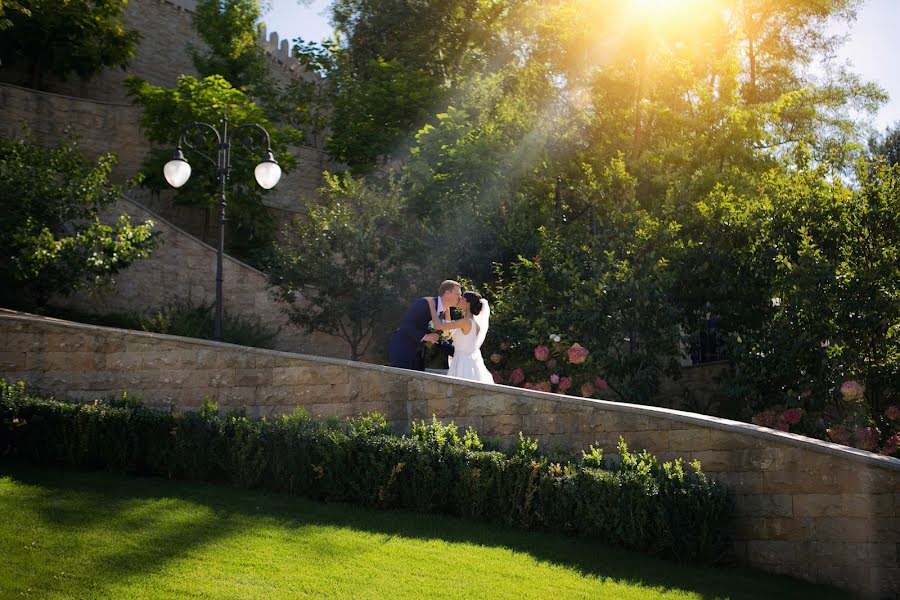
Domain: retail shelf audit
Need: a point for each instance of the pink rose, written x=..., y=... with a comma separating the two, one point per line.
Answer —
x=601, y=384
x=892, y=413
x=528, y=385
x=890, y=446
x=852, y=390
x=496, y=358
x=866, y=438
x=839, y=435
x=764, y=419
x=504, y=345
x=543, y=386
x=781, y=425
x=577, y=354
x=565, y=383
x=554, y=379
x=792, y=416
x=542, y=353
x=498, y=377
x=517, y=377
x=587, y=390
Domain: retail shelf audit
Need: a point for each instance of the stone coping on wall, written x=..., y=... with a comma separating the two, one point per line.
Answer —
x=790, y=439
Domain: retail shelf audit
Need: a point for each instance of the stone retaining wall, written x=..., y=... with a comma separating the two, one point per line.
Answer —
x=807, y=508
x=182, y=267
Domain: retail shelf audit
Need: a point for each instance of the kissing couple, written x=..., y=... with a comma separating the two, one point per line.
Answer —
x=467, y=333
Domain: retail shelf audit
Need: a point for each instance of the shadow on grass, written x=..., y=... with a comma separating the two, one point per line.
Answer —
x=109, y=500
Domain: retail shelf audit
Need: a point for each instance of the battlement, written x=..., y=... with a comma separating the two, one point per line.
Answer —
x=280, y=49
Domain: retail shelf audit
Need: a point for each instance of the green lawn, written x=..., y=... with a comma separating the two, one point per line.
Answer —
x=73, y=534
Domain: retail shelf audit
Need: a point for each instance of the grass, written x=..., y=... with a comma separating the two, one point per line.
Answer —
x=76, y=534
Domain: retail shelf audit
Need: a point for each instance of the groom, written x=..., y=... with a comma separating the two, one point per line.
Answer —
x=404, y=350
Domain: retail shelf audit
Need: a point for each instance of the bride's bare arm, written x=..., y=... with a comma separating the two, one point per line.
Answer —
x=442, y=326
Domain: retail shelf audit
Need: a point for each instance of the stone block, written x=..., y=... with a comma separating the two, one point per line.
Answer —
x=309, y=375
x=11, y=361
x=771, y=552
x=235, y=359
x=730, y=440
x=843, y=505
x=884, y=580
x=843, y=529
x=25, y=342
x=784, y=529
x=689, y=440
x=124, y=361
x=484, y=404
x=69, y=342
x=742, y=482
x=502, y=425
x=252, y=377
x=238, y=396
x=263, y=361
x=164, y=359
x=718, y=461
x=763, y=505
x=447, y=408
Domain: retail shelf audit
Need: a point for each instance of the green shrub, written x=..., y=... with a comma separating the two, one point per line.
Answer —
x=639, y=504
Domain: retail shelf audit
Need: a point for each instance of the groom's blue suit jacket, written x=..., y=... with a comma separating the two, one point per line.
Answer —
x=404, y=348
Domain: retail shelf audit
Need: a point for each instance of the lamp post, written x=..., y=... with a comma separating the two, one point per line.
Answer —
x=177, y=171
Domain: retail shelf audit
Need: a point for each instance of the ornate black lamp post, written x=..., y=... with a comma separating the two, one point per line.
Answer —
x=177, y=171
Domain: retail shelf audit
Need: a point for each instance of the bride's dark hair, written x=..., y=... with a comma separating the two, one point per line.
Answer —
x=474, y=300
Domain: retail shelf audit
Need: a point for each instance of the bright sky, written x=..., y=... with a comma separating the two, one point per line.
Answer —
x=873, y=47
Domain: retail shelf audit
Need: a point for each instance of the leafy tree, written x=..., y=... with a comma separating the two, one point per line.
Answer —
x=10, y=6
x=229, y=30
x=167, y=111
x=52, y=240
x=80, y=37
x=803, y=279
x=373, y=116
x=610, y=293
x=887, y=145
x=346, y=270
x=384, y=87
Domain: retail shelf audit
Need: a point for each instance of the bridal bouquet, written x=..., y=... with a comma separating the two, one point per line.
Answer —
x=437, y=354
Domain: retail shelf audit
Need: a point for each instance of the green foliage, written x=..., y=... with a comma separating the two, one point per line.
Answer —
x=52, y=239
x=167, y=111
x=7, y=7
x=373, y=115
x=642, y=506
x=80, y=37
x=609, y=291
x=803, y=275
x=188, y=319
x=349, y=261
x=229, y=30
x=887, y=145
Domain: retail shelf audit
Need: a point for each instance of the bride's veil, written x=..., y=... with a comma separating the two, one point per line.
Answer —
x=482, y=319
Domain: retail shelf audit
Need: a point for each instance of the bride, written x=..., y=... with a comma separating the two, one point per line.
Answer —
x=468, y=334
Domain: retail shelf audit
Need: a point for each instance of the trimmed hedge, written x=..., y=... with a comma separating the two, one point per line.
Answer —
x=638, y=504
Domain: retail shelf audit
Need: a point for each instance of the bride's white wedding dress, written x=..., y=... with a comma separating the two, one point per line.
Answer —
x=467, y=362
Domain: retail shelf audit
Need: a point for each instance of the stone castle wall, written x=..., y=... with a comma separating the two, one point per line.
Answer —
x=101, y=113
x=811, y=509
